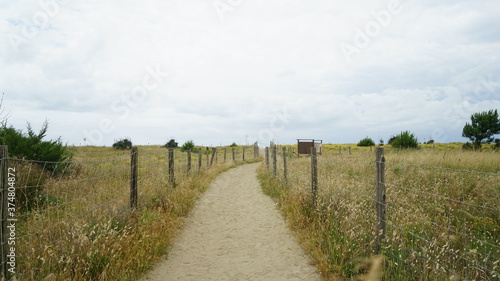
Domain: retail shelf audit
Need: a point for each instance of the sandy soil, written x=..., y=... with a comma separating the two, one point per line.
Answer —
x=235, y=233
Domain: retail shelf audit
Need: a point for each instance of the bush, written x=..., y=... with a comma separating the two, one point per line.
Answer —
x=366, y=142
x=391, y=140
x=123, y=144
x=233, y=145
x=52, y=158
x=31, y=146
x=171, y=144
x=405, y=140
x=189, y=145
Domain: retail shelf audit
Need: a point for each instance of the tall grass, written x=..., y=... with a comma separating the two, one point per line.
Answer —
x=82, y=227
x=442, y=213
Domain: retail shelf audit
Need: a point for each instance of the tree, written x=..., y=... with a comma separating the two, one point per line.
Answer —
x=484, y=125
x=405, y=140
x=171, y=144
x=233, y=145
x=189, y=145
x=366, y=142
x=123, y=144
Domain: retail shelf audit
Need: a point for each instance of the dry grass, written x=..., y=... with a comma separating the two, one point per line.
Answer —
x=442, y=223
x=82, y=227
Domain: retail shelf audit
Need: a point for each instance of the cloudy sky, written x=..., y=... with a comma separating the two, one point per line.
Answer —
x=218, y=71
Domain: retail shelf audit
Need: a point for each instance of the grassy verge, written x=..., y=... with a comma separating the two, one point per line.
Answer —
x=442, y=221
x=83, y=228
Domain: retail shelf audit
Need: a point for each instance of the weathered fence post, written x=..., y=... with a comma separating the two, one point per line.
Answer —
x=314, y=177
x=234, y=155
x=255, y=150
x=275, y=162
x=284, y=165
x=208, y=156
x=225, y=153
x=200, y=159
x=243, y=157
x=267, y=158
x=214, y=151
x=189, y=160
x=350, y=152
x=4, y=235
x=133, y=177
x=171, y=166
x=340, y=150
x=380, y=198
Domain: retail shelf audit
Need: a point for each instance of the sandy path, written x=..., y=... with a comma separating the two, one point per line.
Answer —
x=235, y=233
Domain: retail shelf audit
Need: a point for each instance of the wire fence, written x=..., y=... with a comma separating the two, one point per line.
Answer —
x=431, y=216
x=50, y=211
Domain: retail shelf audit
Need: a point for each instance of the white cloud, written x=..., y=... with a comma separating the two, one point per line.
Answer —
x=428, y=67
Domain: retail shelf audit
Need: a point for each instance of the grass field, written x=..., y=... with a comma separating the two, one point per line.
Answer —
x=81, y=226
x=443, y=218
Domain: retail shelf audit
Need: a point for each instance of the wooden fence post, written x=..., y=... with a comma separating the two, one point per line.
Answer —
x=284, y=165
x=171, y=166
x=380, y=198
x=214, y=151
x=267, y=158
x=314, y=177
x=225, y=154
x=200, y=159
x=189, y=160
x=275, y=162
x=243, y=157
x=4, y=235
x=255, y=150
x=350, y=152
x=234, y=155
x=133, y=177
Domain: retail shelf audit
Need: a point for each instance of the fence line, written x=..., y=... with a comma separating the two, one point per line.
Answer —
x=441, y=221
x=59, y=200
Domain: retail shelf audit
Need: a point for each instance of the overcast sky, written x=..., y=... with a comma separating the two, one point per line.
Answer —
x=241, y=71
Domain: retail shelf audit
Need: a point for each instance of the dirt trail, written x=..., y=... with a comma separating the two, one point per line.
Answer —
x=235, y=233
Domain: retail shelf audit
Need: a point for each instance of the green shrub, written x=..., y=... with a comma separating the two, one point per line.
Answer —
x=233, y=145
x=171, y=144
x=51, y=158
x=366, y=142
x=123, y=144
x=189, y=145
x=405, y=140
x=52, y=154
